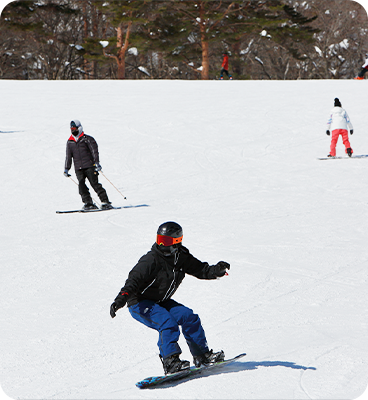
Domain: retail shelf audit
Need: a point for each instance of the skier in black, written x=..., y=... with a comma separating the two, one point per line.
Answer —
x=83, y=150
x=148, y=291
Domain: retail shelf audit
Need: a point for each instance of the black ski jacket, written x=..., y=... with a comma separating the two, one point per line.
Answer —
x=156, y=277
x=83, y=152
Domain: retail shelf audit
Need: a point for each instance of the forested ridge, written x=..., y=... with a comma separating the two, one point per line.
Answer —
x=265, y=39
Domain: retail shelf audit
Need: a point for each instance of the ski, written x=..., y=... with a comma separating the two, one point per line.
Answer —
x=87, y=211
x=343, y=157
x=163, y=379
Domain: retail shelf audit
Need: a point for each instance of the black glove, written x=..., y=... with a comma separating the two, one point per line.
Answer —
x=351, y=131
x=328, y=133
x=220, y=268
x=119, y=302
x=98, y=167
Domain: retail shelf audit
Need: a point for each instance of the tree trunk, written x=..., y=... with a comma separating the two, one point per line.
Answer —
x=122, y=45
x=205, y=46
x=95, y=19
x=86, y=64
x=205, y=61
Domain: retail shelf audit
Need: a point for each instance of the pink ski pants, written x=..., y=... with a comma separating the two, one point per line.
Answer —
x=335, y=136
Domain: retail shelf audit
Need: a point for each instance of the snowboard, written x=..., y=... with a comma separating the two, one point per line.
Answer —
x=87, y=211
x=343, y=157
x=163, y=379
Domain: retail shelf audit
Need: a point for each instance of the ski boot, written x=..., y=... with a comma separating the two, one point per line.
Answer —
x=106, y=205
x=173, y=364
x=208, y=358
x=349, y=151
x=90, y=206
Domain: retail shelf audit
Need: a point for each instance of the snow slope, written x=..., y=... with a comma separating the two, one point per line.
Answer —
x=235, y=164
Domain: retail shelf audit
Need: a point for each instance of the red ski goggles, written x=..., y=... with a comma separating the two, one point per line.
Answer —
x=168, y=240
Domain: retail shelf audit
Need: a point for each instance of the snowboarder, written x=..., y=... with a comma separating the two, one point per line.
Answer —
x=364, y=69
x=83, y=150
x=225, y=66
x=148, y=291
x=339, y=123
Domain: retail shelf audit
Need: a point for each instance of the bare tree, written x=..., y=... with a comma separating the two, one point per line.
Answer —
x=341, y=41
x=40, y=38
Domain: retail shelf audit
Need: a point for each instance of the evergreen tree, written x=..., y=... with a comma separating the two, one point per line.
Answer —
x=186, y=29
x=126, y=18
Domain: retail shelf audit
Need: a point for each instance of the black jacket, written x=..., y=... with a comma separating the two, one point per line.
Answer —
x=157, y=277
x=83, y=152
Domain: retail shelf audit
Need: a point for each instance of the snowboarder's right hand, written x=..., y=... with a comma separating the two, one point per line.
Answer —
x=328, y=133
x=66, y=173
x=220, y=268
x=119, y=302
x=352, y=131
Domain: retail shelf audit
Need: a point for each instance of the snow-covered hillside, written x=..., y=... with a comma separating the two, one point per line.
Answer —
x=235, y=163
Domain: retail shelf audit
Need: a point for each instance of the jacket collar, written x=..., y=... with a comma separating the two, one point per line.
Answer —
x=171, y=259
x=75, y=139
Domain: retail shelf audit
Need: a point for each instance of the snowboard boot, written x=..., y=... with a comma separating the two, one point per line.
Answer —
x=90, y=206
x=173, y=364
x=208, y=358
x=349, y=152
x=331, y=156
x=106, y=206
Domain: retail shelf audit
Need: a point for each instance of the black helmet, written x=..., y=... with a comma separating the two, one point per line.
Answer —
x=337, y=102
x=169, y=237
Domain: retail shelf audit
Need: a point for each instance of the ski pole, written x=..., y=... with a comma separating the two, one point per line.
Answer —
x=78, y=185
x=113, y=185
x=72, y=180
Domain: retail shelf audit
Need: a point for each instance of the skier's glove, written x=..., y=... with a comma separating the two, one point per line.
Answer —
x=119, y=302
x=98, y=167
x=328, y=133
x=220, y=268
x=66, y=173
x=352, y=131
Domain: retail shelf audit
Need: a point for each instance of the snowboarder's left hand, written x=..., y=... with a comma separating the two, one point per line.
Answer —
x=98, y=167
x=328, y=133
x=352, y=131
x=220, y=268
x=66, y=173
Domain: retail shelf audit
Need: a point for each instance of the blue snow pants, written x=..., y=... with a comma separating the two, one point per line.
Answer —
x=166, y=318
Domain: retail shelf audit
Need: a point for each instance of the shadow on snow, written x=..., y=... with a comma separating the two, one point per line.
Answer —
x=237, y=367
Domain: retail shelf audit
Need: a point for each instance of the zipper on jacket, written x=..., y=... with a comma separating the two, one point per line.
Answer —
x=169, y=291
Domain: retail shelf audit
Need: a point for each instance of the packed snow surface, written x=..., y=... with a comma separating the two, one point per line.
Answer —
x=235, y=163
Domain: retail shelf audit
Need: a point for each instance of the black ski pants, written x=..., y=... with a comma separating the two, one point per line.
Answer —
x=362, y=72
x=92, y=176
x=224, y=71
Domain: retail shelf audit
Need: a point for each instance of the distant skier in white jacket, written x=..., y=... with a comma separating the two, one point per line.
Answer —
x=338, y=124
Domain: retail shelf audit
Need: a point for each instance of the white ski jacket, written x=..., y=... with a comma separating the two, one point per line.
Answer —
x=339, y=119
